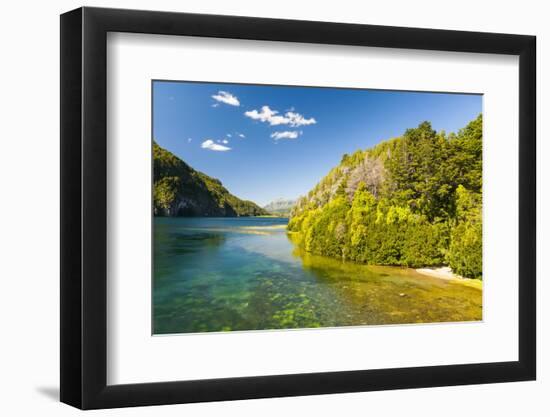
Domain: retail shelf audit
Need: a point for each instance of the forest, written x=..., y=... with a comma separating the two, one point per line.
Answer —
x=179, y=190
x=414, y=201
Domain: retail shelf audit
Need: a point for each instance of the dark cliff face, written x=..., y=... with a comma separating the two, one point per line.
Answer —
x=179, y=190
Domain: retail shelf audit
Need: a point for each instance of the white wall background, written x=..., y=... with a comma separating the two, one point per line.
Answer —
x=29, y=225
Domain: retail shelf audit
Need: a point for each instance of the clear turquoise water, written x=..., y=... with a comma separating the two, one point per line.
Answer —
x=222, y=274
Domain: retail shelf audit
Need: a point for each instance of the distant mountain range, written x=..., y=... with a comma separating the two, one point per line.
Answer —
x=280, y=206
x=179, y=190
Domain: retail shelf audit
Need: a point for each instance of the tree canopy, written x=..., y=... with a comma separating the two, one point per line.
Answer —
x=414, y=201
x=179, y=190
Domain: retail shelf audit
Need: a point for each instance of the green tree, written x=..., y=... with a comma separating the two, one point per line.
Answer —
x=411, y=201
x=466, y=245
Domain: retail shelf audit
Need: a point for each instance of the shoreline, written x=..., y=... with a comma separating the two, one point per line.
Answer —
x=443, y=272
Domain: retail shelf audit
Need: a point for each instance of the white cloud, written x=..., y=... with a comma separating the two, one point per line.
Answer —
x=225, y=141
x=273, y=117
x=209, y=144
x=228, y=135
x=296, y=119
x=264, y=116
x=227, y=98
x=242, y=136
x=289, y=134
x=215, y=104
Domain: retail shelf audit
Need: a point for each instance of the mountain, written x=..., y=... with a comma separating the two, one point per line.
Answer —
x=280, y=206
x=179, y=190
x=410, y=201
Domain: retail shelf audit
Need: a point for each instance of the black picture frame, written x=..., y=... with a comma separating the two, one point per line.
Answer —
x=84, y=207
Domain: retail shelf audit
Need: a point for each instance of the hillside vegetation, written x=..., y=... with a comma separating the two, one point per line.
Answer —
x=413, y=201
x=179, y=190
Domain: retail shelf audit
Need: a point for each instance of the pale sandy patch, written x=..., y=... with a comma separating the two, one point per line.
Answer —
x=443, y=272
x=446, y=273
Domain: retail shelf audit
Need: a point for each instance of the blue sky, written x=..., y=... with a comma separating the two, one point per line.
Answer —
x=269, y=142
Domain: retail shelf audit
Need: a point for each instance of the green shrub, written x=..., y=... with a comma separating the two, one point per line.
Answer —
x=421, y=207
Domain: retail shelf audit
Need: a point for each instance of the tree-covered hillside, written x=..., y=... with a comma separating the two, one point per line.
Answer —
x=179, y=190
x=414, y=201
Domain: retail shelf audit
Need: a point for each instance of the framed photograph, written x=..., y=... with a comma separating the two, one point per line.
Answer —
x=257, y=208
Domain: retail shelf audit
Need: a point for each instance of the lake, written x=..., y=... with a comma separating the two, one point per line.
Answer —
x=245, y=273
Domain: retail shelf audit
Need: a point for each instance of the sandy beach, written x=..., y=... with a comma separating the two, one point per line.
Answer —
x=446, y=273
x=443, y=272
